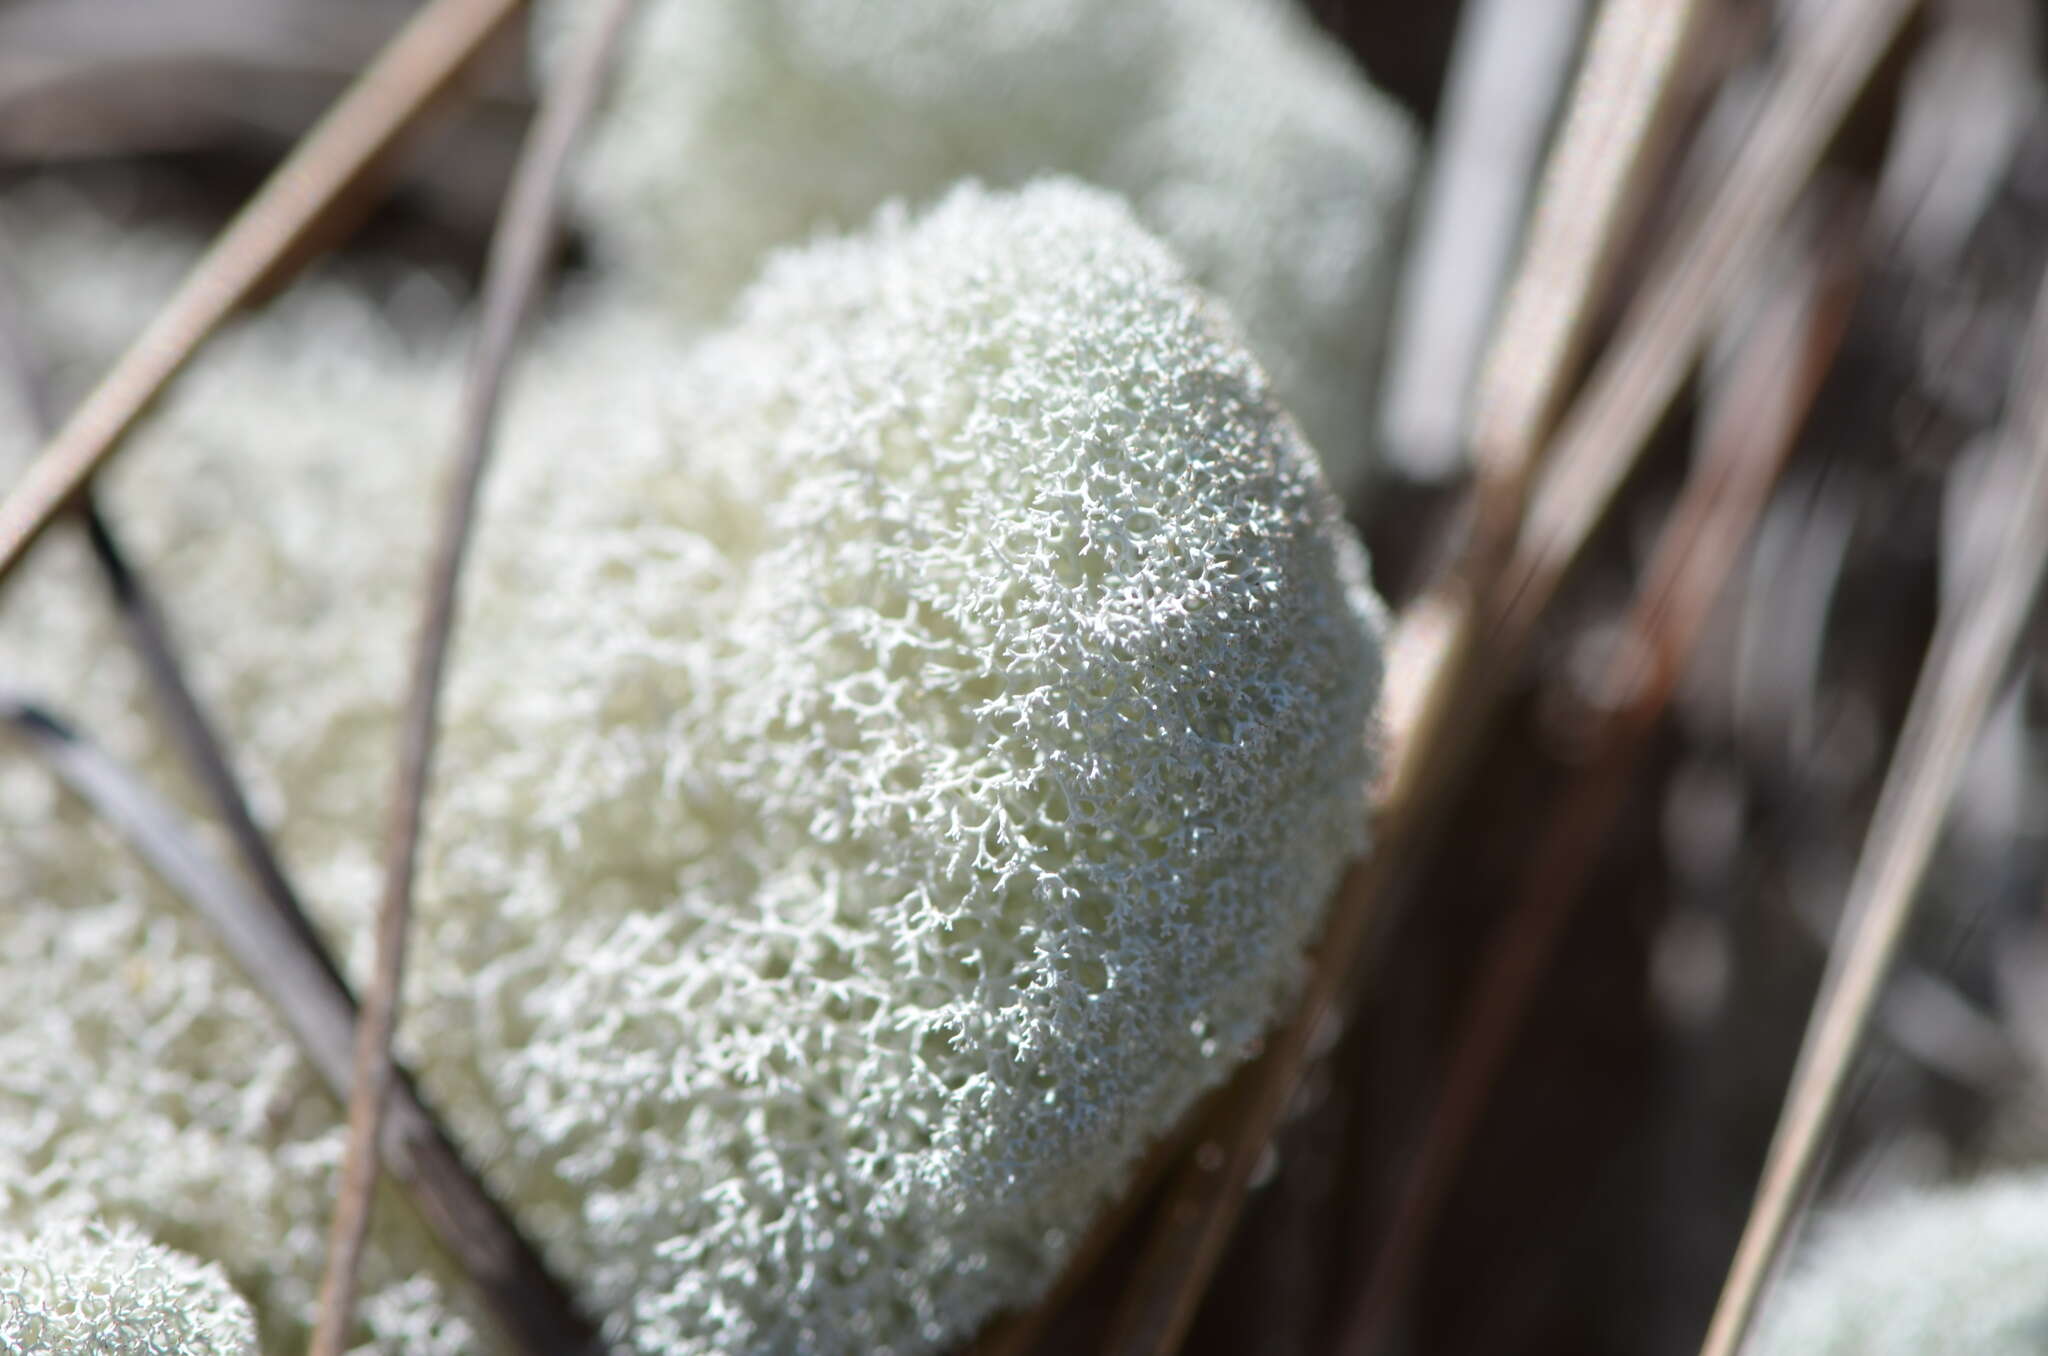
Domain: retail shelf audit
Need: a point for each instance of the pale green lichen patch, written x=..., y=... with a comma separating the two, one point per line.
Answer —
x=900, y=748
x=1957, y=1272
x=79, y=1289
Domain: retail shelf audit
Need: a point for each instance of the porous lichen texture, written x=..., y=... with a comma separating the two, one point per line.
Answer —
x=278, y=500
x=77, y=1289
x=899, y=752
x=1239, y=133
x=1941, y=1273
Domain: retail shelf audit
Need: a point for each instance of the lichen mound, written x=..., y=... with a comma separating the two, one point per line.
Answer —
x=899, y=752
x=1956, y=1272
x=1004, y=631
x=1241, y=135
x=278, y=501
x=77, y=1289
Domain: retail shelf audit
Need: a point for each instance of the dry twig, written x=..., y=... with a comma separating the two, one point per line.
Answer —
x=1452, y=654
x=1608, y=145
x=388, y=97
x=149, y=632
x=1967, y=661
x=519, y=252
x=1618, y=105
x=1744, y=447
x=1508, y=74
x=1829, y=65
x=268, y=932
x=301, y=982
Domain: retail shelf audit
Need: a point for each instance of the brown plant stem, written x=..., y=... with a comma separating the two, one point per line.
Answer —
x=519, y=254
x=383, y=102
x=1749, y=437
x=1472, y=631
x=1965, y=664
x=531, y=1307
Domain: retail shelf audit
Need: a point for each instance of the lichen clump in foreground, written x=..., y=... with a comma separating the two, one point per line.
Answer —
x=900, y=750
x=1957, y=1272
x=73, y=1289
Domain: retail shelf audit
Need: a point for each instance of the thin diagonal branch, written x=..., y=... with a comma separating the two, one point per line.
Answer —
x=148, y=632
x=519, y=252
x=1509, y=69
x=1747, y=440
x=1827, y=68
x=388, y=97
x=1451, y=656
x=531, y=1307
x=1966, y=663
x=1615, y=136
x=268, y=932
x=1608, y=145
x=1619, y=103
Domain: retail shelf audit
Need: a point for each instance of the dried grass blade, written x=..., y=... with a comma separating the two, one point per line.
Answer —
x=303, y=985
x=269, y=933
x=1614, y=123
x=1507, y=78
x=427, y=53
x=1966, y=662
x=149, y=633
x=1747, y=440
x=1831, y=61
x=1606, y=147
x=519, y=252
x=1615, y=135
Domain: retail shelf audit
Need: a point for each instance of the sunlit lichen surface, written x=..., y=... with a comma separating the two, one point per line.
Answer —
x=76, y=1289
x=1239, y=133
x=1955, y=1272
x=899, y=750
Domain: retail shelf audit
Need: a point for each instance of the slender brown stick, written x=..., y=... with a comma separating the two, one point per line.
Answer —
x=1615, y=136
x=533, y=1310
x=1967, y=661
x=1619, y=104
x=1472, y=632
x=519, y=253
x=1745, y=445
x=149, y=633
x=1629, y=391
x=303, y=989
x=1509, y=69
x=384, y=101
x=268, y=932
x=1609, y=143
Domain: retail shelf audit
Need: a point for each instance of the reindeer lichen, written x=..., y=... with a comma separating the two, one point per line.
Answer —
x=76, y=1288
x=899, y=751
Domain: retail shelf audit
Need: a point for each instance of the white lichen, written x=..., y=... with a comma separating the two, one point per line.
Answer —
x=899, y=752
x=80, y=1289
x=278, y=501
x=1956, y=1272
x=1241, y=135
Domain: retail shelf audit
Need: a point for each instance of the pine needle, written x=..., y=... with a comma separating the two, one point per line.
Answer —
x=385, y=100
x=1748, y=438
x=519, y=254
x=1475, y=629
x=531, y=1307
x=1968, y=659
